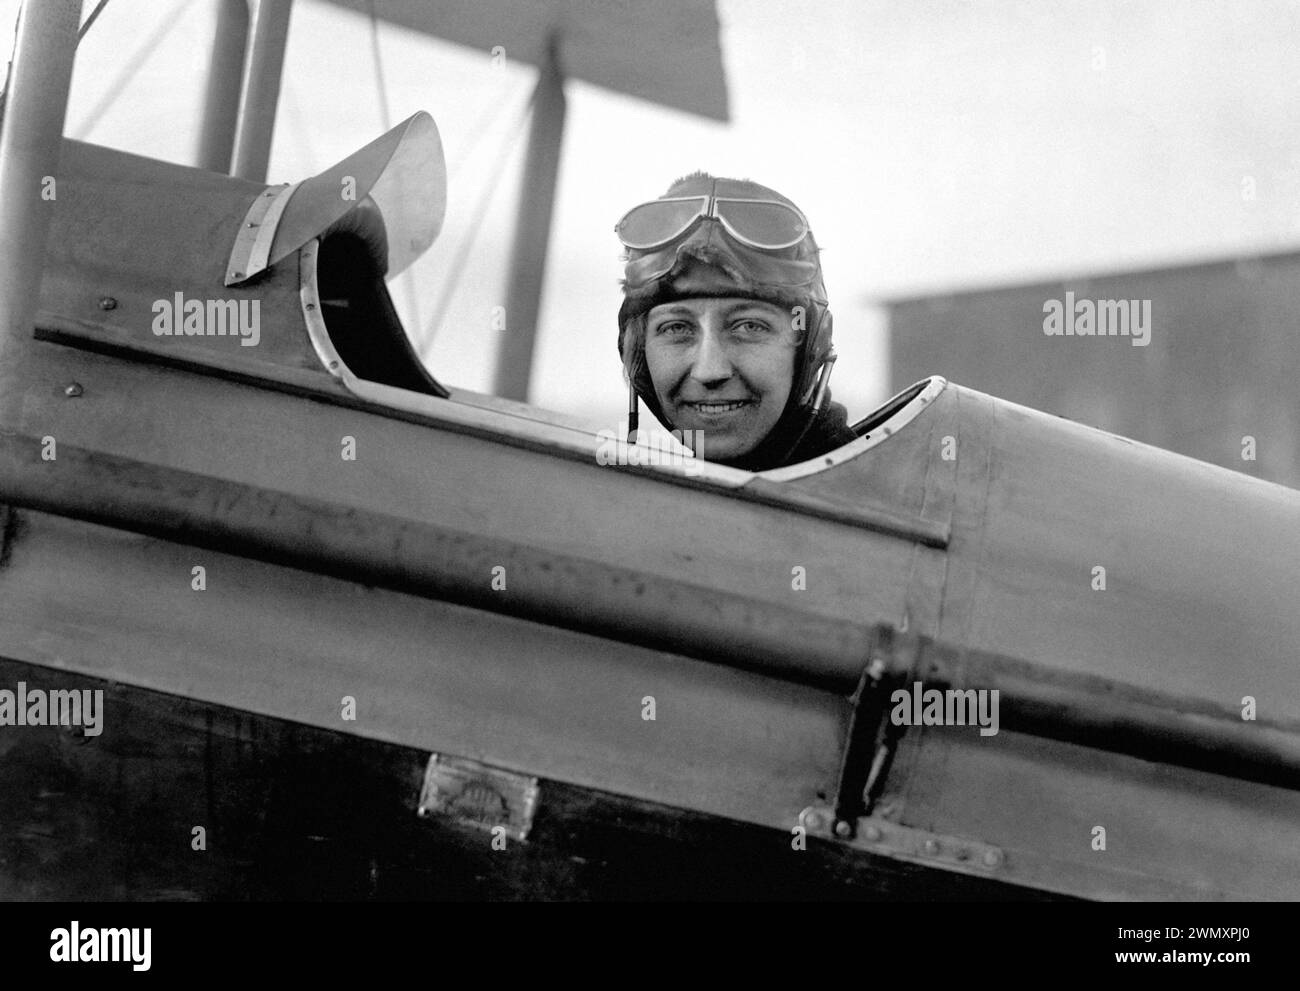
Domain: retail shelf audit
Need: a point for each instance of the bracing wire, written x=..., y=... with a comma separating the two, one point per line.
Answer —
x=488, y=126
x=457, y=267
x=99, y=9
x=133, y=66
x=380, y=85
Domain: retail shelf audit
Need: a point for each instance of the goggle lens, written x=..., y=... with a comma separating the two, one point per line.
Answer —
x=760, y=224
x=658, y=222
x=764, y=225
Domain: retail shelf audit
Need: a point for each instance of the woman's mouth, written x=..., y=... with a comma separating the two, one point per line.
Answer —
x=718, y=407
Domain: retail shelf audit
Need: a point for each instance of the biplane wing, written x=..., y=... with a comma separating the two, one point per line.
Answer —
x=666, y=52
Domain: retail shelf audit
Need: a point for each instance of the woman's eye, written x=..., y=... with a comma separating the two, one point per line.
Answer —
x=675, y=328
x=750, y=328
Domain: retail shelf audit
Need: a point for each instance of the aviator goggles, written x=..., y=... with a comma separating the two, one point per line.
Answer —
x=766, y=224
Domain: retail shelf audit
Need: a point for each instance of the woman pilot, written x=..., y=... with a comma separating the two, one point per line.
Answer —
x=724, y=329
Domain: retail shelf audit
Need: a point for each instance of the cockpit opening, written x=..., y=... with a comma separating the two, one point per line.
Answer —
x=360, y=318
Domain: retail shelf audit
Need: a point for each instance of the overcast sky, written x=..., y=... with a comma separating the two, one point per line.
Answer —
x=933, y=145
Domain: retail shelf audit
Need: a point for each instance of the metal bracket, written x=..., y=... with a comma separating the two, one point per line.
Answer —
x=876, y=834
x=477, y=795
x=869, y=748
x=252, y=248
x=871, y=738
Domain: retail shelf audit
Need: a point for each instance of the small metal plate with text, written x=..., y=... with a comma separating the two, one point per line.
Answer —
x=478, y=795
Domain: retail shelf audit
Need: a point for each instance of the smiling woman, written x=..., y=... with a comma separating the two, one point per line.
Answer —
x=723, y=368
x=725, y=329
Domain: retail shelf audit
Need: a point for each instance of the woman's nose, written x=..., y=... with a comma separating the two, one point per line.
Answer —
x=712, y=362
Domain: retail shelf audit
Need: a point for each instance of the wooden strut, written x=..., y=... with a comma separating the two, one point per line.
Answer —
x=31, y=139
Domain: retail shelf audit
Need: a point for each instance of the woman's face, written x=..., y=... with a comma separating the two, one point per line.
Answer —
x=723, y=367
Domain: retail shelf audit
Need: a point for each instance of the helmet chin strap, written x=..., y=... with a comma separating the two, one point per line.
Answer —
x=633, y=412
x=819, y=387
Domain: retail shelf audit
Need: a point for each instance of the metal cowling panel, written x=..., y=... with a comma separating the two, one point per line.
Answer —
x=1202, y=565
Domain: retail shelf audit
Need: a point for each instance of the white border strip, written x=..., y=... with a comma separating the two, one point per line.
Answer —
x=882, y=432
x=257, y=233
